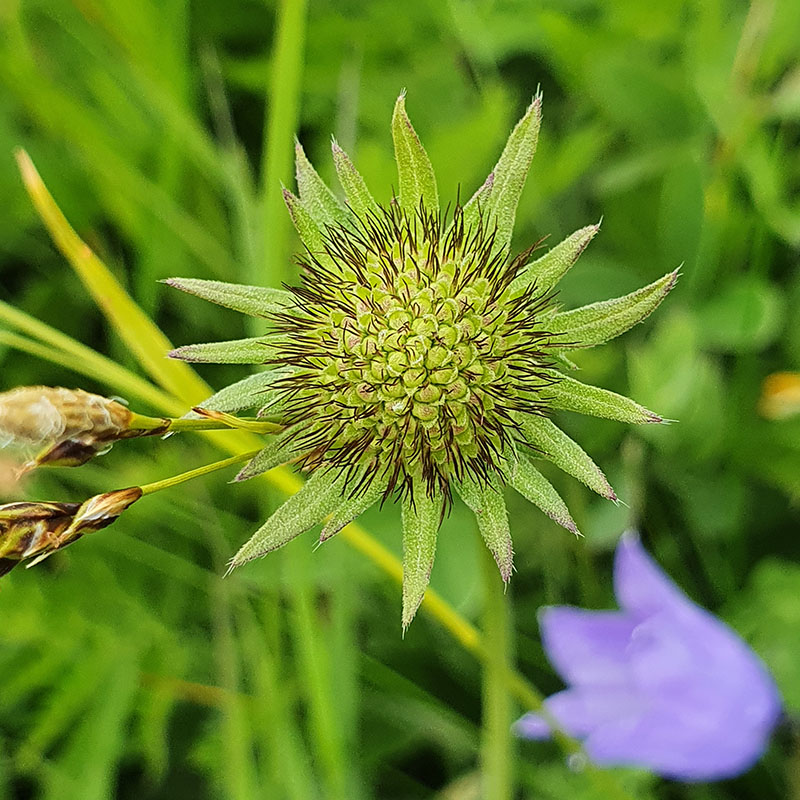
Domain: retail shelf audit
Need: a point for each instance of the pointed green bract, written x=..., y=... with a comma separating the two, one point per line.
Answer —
x=353, y=507
x=509, y=174
x=417, y=181
x=257, y=350
x=535, y=488
x=355, y=189
x=308, y=230
x=280, y=449
x=570, y=395
x=566, y=454
x=250, y=392
x=256, y=301
x=548, y=270
x=422, y=516
x=599, y=322
x=489, y=507
x=317, y=498
x=317, y=199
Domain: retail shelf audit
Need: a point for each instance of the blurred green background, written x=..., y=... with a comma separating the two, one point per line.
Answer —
x=164, y=128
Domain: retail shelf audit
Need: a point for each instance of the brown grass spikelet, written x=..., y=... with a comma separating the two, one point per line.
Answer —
x=68, y=426
x=34, y=530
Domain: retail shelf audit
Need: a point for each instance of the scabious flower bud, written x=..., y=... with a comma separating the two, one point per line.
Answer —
x=31, y=530
x=68, y=426
x=418, y=357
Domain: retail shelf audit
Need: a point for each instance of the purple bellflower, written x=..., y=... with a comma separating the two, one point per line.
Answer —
x=661, y=684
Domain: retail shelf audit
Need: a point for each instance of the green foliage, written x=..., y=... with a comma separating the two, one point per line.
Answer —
x=320, y=495
x=571, y=395
x=250, y=392
x=505, y=182
x=768, y=613
x=255, y=350
x=532, y=485
x=127, y=667
x=548, y=270
x=316, y=197
x=355, y=189
x=277, y=451
x=490, y=511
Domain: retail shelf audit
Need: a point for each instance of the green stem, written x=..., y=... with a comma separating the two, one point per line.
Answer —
x=282, y=113
x=167, y=483
x=497, y=745
x=317, y=680
x=221, y=422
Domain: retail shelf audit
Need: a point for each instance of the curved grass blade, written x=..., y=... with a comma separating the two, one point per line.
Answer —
x=133, y=326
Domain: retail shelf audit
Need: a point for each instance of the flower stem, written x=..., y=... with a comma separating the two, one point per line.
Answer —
x=213, y=421
x=497, y=745
x=283, y=102
x=167, y=483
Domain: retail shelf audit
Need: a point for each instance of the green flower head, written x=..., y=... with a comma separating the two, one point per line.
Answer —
x=418, y=357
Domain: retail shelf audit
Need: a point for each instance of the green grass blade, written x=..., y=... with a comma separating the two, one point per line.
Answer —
x=283, y=102
x=60, y=349
x=133, y=326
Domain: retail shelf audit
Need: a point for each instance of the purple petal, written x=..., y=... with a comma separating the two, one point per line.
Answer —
x=662, y=653
x=668, y=650
x=579, y=711
x=704, y=677
x=665, y=744
x=587, y=647
x=641, y=586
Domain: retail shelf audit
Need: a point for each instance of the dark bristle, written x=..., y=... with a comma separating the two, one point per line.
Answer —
x=336, y=310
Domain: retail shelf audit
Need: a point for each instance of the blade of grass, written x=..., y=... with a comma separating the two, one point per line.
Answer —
x=170, y=107
x=316, y=675
x=135, y=328
x=238, y=775
x=344, y=655
x=82, y=360
x=94, y=140
x=284, y=748
x=242, y=192
x=281, y=123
